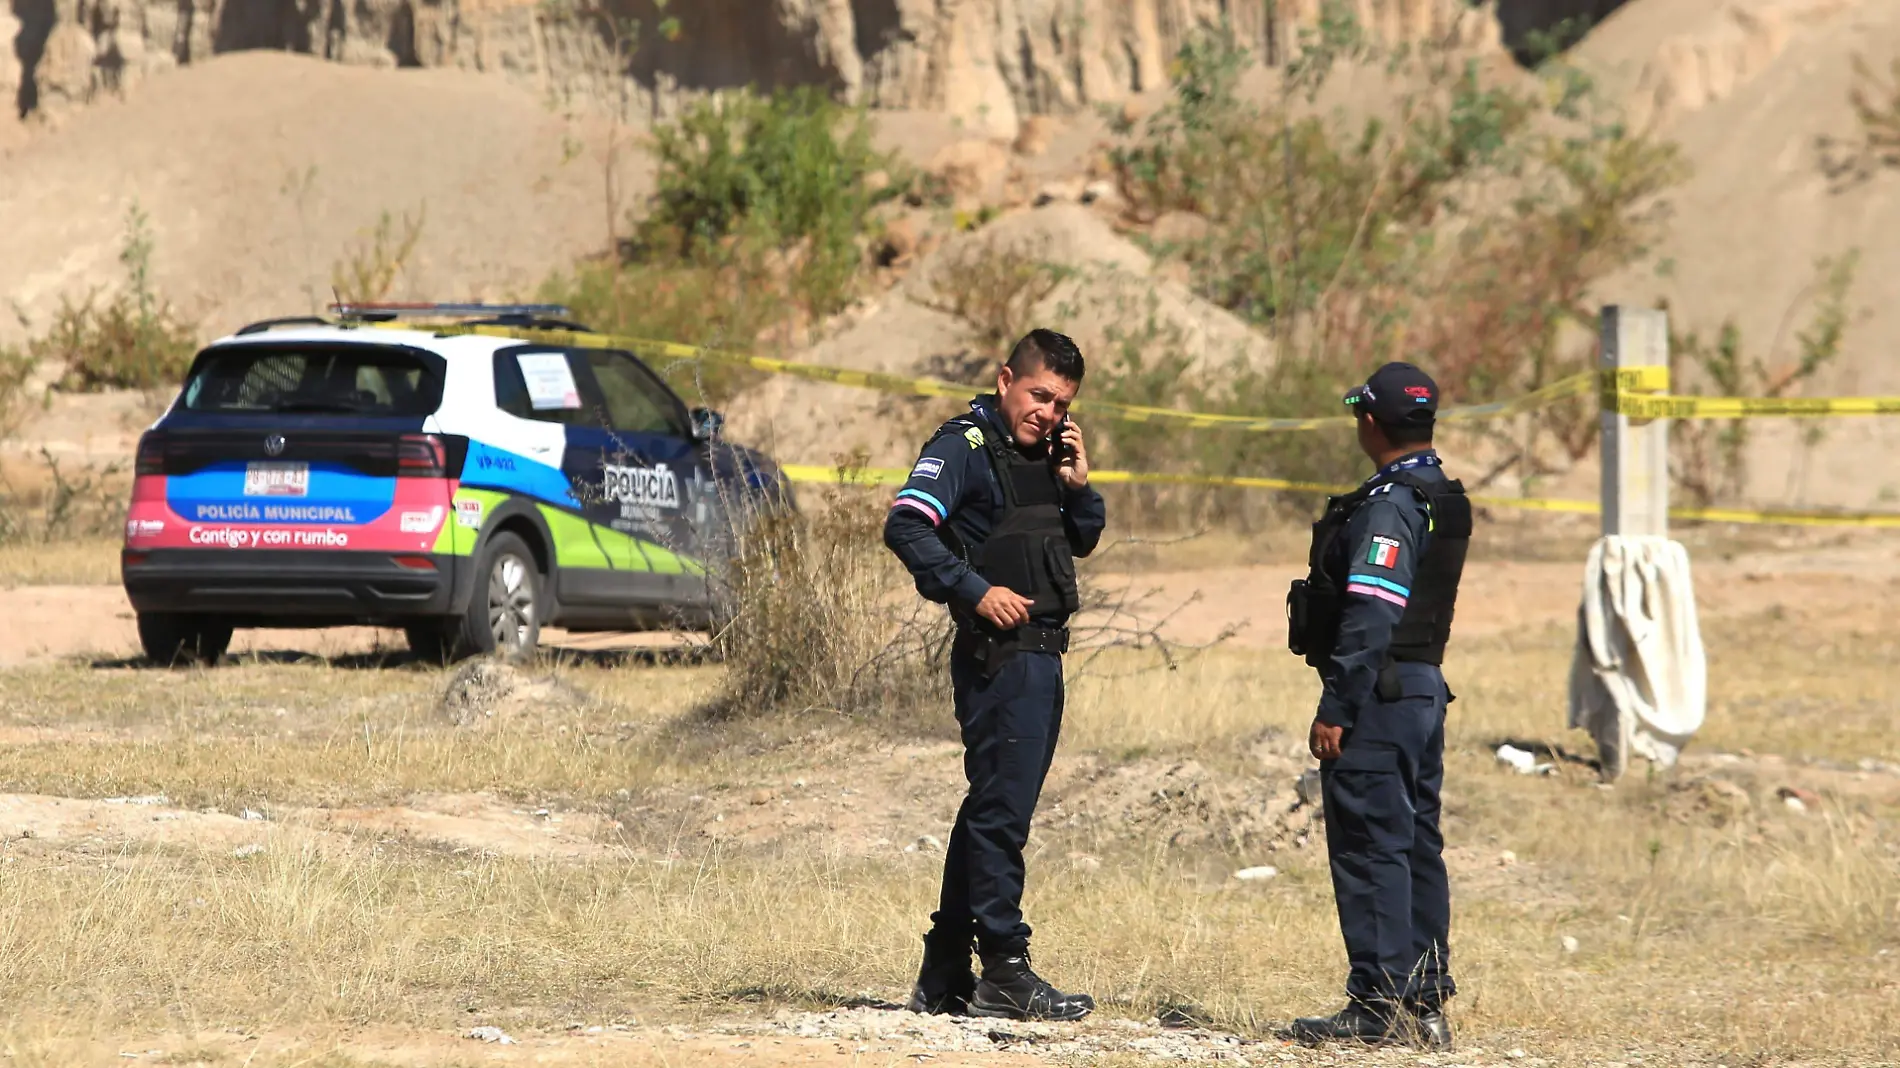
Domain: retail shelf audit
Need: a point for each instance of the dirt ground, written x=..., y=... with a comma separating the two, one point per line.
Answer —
x=38, y=623
x=254, y=770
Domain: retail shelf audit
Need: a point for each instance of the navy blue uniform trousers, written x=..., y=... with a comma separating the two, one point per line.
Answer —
x=1381, y=799
x=1010, y=725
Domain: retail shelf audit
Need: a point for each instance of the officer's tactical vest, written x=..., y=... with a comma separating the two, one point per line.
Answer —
x=1314, y=604
x=1028, y=547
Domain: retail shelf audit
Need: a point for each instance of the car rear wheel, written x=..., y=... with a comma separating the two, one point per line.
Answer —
x=170, y=639
x=504, y=613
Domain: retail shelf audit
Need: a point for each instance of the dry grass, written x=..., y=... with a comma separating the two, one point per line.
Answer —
x=81, y=562
x=1708, y=934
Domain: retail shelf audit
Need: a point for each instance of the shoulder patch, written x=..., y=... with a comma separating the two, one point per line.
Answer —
x=974, y=436
x=928, y=467
x=1384, y=551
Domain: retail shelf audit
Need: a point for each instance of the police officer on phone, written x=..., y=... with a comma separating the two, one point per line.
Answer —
x=1373, y=616
x=990, y=522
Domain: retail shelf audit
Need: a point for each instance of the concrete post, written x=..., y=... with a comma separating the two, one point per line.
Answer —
x=1635, y=452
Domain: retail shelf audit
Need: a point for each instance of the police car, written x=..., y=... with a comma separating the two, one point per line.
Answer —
x=463, y=487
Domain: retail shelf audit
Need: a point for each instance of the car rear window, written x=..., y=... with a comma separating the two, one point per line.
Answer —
x=373, y=380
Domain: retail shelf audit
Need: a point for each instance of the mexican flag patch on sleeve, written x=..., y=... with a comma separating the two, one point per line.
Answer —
x=1384, y=552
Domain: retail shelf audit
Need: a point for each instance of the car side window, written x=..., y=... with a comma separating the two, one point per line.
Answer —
x=546, y=385
x=635, y=400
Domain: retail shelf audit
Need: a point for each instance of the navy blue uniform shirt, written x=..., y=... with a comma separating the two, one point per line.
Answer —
x=1374, y=560
x=954, y=482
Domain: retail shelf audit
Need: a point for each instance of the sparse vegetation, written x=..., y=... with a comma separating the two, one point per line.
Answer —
x=134, y=339
x=784, y=174
x=678, y=913
x=1464, y=233
x=762, y=209
x=368, y=272
x=58, y=505
x=1708, y=459
x=730, y=304
x=822, y=618
x=16, y=401
x=1876, y=103
x=996, y=291
x=619, y=38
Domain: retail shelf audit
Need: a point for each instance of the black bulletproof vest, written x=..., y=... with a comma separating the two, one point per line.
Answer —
x=1028, y=546
x=1423, y=630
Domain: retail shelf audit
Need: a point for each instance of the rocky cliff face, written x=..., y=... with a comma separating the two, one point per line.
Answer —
x=989, y=62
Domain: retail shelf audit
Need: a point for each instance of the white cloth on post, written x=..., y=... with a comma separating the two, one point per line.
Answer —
x=1638, y=680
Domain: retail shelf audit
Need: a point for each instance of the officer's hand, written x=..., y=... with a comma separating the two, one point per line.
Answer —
x=1325, y=740
x=1004, y=607
x=1074, y=470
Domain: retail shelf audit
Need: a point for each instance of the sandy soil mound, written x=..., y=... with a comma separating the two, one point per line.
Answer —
x=1112, y=293
x=1749, y=89
x=213, y=152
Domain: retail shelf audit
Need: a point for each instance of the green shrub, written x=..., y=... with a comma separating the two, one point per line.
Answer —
x=1464, y=234
x=785, y=172
x=692, y=303
x=134, y=339
x=115, y=345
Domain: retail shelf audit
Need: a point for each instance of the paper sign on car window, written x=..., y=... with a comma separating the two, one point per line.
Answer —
x=549, y=379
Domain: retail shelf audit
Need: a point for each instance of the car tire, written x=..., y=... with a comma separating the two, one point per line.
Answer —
x=504, y=610
x=170, y=639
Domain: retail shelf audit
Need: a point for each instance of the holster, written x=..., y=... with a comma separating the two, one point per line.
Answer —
x=993, y=650
x=1387, y=687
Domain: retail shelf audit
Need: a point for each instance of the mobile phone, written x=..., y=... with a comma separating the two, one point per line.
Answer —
x=1061, y=446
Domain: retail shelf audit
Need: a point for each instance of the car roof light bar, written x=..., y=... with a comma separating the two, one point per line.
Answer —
x=432, y=309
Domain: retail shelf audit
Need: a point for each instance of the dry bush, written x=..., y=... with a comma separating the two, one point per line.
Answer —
x=370, y=269
x=821, y=618
x=1708, y=458
x=1876, y=103
x=61, y=506
x=995, y=291
x=16, y=375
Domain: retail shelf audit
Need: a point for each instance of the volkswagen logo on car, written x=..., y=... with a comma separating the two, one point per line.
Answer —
x=274, y=445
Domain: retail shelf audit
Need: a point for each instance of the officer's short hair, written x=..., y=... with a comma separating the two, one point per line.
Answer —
x=1046, y=348
x=1407, y=433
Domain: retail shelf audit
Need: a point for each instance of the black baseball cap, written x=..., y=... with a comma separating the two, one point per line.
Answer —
x=1397, y=394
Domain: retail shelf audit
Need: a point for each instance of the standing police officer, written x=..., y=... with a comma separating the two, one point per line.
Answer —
x=990, y=522
x=1374, y=615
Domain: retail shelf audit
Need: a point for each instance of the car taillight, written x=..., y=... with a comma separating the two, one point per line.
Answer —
x=414, y=563
x=421, y=456
x=151, y=454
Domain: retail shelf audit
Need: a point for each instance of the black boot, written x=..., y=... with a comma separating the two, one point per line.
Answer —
x=1430, y=1028
x=1357, y=1022
x=1011, y=990
x=945, y=983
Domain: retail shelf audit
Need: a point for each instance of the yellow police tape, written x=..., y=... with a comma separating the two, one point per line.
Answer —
x=1645, y=406
x=1575, y=385
x=895, y=476
x=1643, y=393
x=1639, y=393
x=1621, y=391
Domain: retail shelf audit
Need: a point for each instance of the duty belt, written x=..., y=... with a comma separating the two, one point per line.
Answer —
x=994, y=650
